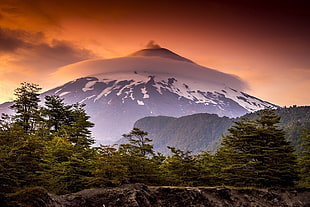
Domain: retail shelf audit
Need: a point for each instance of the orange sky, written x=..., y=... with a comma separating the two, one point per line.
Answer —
x=266, y=43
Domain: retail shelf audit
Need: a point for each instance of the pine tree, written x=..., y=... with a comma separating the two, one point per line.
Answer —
x=19, y=159
x=207, y=169
x=26, y=105
x=137, y=156
x=78, y=127
x=304, y=161
x=69, y=159
x=139, y=143
x=9, y=173
x=255, y=153
x=56, y=113
x=110, y=169
x=48, y=146
x=180, y=168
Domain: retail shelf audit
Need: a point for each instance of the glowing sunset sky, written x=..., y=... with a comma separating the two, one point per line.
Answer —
x=266, y=43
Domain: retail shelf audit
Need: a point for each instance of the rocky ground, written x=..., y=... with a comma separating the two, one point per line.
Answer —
x=138, y=195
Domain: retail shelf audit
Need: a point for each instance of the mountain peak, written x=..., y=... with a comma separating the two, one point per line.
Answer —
x=154, y=50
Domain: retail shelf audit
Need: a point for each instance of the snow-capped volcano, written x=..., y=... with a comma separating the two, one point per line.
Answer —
x=151, y=82
x=159, y=52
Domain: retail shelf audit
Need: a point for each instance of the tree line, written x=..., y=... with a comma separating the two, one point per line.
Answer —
x=51, y=146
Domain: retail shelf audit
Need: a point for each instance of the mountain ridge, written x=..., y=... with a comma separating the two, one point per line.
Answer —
x=126, y=89
x=204, y=131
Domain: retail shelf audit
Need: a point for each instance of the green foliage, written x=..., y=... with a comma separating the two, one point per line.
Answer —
x=26, y=105
x=208, y=169
x=45, y=146
x=20, y=159
x=66, y=167
x=304, y=161
x=194, y=132
x=204, y=131
x=293, y=120
x=137, y=157
x=180, y=168
x=56, y=113
x=134, y=162
x=78, y=128
x=138, y=143
x=109, y=168
x=29, y=196
x=51, y=147
x=255, y=153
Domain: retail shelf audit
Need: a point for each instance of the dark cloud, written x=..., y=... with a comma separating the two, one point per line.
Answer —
x=11, y=40
x=46, y=57
x=37, y=53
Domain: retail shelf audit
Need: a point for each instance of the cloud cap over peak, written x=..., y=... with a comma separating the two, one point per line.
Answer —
x=152, y=66
x=152, y=45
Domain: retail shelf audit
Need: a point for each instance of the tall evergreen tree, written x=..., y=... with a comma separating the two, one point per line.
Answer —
x=69, y=159
x=255, y=153
x=78, y=128
x=180, y=168
x=110, y=168
x=26, y=105
x=66, y=168
x=137, y=156
x=57, y=155
x=56, y=113
x=20, y=158
x=207, y=169
x=138, y=143
x=304, y=161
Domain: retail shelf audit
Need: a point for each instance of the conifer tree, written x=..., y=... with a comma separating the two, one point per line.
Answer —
x=305, y=160
x=138, y=157
x=48, y=146
x=110, y=169
x=180, y=168
x=20, y=158
x=56, y=113
x=26, y=105
x=138, y=143
x=78, y=128
x=207, y=169
x=69, y=159
x=66, y=168
x=255, y=153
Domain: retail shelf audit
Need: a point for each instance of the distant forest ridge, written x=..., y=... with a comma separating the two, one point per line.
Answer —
x=204, y=131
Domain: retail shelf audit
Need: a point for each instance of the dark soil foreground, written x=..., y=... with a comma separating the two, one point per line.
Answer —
x=139, y=195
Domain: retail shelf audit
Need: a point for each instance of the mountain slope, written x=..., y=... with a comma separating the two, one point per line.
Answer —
x=194, y=132
x=204, y=131
x=151, y=82
x=160, y=52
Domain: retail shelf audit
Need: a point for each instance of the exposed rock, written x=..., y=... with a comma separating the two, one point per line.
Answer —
x=31, y=197
x=139, y=195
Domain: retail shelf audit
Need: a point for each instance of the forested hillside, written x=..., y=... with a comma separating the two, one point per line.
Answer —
x=194, y=132
x=204, y=131
x=50, y=146
x=293, y=120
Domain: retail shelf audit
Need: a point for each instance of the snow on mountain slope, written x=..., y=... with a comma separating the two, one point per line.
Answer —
x=151, y=82
x=184, y=87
